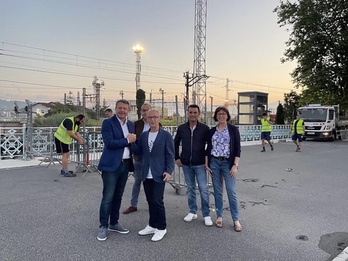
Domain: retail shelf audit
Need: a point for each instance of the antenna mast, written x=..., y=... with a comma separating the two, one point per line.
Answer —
x=199, y=68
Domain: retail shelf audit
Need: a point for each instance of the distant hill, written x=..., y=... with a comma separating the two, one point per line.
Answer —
x=9, y=105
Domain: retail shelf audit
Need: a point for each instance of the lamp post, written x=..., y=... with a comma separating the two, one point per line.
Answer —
x=162, y=91
x=138, y=51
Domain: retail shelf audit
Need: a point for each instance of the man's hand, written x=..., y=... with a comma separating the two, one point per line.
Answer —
x=131, y=137
x=178, y=163
x=166, y=177
x=81, y=141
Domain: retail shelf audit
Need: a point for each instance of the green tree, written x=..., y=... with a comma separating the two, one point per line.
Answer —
x=280, y=114
x=291, y=104
x=140, y=99
x=318, y=42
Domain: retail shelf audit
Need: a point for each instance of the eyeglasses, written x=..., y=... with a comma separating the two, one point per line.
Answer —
x=153, y=117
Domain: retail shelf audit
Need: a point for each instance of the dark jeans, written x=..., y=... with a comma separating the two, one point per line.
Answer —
x=154, y=195
x=113, y=188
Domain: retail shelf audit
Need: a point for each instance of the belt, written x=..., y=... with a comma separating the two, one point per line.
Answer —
x=220, y=158
x=126, y=160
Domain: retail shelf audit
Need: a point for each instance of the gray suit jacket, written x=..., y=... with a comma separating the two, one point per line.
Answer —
x=161, y=157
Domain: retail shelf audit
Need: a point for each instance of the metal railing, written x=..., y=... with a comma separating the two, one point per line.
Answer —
x=25, y=143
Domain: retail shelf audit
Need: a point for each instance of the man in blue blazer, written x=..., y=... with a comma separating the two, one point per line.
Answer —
x=157, y=149
x=115, y=164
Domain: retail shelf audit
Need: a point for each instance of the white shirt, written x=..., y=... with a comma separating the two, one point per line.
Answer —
x=126, y=151
x=150, y=141
x=146, y=126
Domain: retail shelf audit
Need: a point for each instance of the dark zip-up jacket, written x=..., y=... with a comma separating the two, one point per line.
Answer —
x=193, y=146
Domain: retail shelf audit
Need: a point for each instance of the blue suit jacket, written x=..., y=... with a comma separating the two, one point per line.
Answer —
x=161, y=157
x=114, y=144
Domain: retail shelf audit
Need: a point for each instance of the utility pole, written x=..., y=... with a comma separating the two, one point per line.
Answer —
x=190, y=80
x=162, y=91
x=211, y=110
x=84, y=95
x=151, y=96
x=226, y=95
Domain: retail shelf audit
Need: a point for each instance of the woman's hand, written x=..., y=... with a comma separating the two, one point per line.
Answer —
x=208, y=169
x=233, y=171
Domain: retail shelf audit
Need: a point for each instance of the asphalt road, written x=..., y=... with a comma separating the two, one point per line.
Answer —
x=293, y=206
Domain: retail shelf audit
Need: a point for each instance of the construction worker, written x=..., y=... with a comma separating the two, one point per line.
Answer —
x=108, y=113
x=66, y=132
x=266, y=128
x=297, y=130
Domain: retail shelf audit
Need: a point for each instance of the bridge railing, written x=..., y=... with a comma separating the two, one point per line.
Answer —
x=27, y=143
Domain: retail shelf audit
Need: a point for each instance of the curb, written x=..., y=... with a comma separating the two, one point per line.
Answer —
x=343, y=256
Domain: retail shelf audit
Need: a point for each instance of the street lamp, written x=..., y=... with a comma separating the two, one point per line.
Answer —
x=138, y=50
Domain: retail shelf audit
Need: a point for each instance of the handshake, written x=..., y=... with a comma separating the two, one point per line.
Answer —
x=131, y=137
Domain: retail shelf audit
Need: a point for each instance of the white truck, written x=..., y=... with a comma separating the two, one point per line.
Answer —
x=322, y=122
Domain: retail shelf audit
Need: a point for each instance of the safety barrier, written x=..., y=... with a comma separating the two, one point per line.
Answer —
x=39, y=142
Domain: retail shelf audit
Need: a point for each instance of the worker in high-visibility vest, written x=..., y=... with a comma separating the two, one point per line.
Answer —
x=66, y=132
x=266, y=128
x=298, y=129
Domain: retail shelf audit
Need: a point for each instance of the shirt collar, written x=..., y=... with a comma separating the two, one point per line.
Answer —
x=120, y=121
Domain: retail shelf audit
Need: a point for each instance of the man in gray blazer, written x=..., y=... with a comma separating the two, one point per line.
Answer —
x=157, y=149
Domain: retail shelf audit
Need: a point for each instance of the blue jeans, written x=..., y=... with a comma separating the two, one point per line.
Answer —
x=154, y=195
x=113, y=188
x=137, y=181
x=221, y=171
x=193, y=173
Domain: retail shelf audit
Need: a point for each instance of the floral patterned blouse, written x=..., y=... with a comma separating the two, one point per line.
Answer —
x=221, y=143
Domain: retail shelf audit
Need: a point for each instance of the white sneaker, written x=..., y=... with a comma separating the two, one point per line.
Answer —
x=147, y=231
x=207, y=221
x=159, y=234
x=189, y=217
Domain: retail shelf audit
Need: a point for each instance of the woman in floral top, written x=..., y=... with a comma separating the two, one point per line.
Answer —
x=223, y=153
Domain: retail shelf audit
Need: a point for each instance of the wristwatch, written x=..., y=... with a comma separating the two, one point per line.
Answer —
x=235, y=165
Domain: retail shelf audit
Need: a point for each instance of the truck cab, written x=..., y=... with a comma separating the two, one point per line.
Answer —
x=320, y=121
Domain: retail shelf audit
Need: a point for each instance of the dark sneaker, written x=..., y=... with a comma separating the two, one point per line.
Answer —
x=272, y=148
x=263, y=151
x=130, y=210
x=68, y=174
x=102, y=234
x=118, y=228
x=62, y=172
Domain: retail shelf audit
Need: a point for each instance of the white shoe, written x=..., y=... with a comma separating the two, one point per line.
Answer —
x=147, y=231
x=159, y=234
x=189, y=217
x=207, y=221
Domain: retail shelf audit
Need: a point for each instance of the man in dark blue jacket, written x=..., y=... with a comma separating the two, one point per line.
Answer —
x=157, y=149
x=193, y=137
x=115, y=164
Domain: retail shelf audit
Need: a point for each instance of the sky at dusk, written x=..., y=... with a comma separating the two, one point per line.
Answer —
x=49, y=48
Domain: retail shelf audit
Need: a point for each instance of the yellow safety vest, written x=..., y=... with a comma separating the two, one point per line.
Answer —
x=61, y=133
x=266, y=126
x=299, y=126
